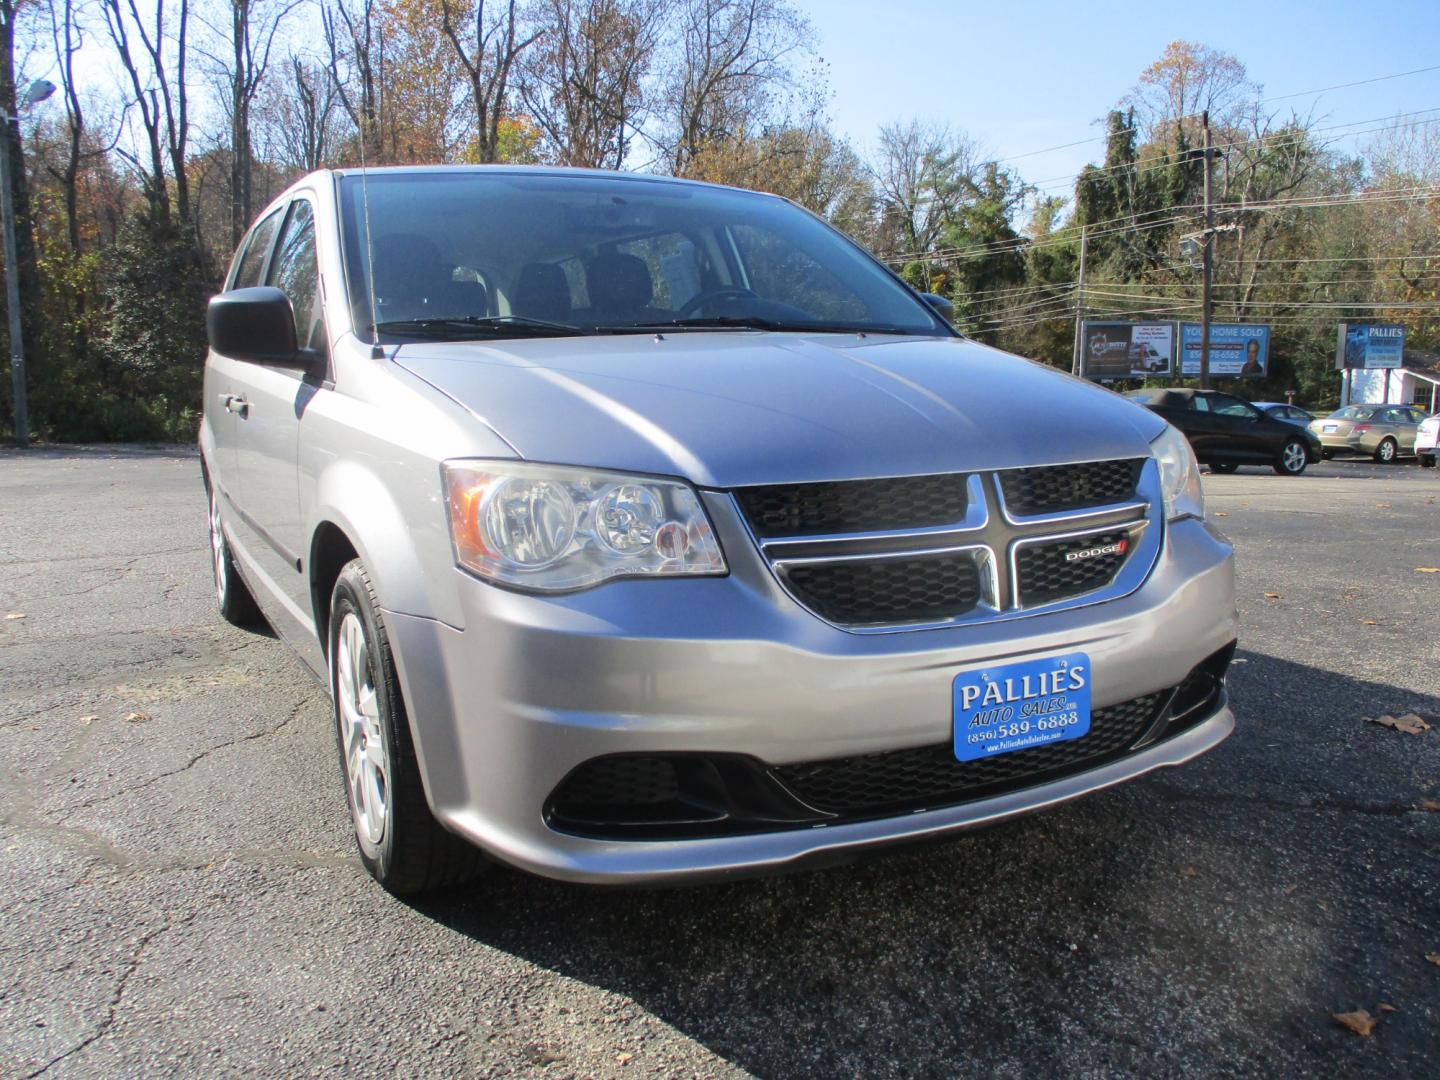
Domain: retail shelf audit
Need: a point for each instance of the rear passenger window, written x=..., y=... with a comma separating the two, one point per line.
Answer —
x=252, y=263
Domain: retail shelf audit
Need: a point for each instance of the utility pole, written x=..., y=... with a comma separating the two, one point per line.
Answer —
x=1207, y=257
x=1080, y=301
x=12, y=291
x=39, y=90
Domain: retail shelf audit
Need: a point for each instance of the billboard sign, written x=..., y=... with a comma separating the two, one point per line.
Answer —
x=1370, y=345
x=1126, y=350
x=1237, y=350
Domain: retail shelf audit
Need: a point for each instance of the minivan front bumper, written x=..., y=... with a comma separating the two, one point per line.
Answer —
x=505, y=708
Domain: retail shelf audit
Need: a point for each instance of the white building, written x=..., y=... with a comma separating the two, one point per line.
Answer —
x=1416, y=383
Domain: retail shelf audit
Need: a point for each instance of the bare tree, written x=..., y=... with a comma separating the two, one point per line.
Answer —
x=251, y=35
x=299, y=117
x=1187, y=80
x=161, y=98
x=355, y=57
x=67, y=38
x=923, y=173
x=488, y=47
x=733, y=63
x=583, y=82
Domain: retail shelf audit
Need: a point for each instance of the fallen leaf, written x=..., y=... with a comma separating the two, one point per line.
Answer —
x=137, y=717
x=1385, y=1007
x=1221, y=513
x=88, y=720
x=1427, y=569
x=15, y=615
x=624, y=1059
x=1273, y=596
x=1433, y=957
x=1359, y=1021
x=1409, y=723
x=1289, y=890
x=1368, y=622
x=1431, y=805
x=1382, y=506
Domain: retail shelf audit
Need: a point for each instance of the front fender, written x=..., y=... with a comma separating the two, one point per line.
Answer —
x=400, y=535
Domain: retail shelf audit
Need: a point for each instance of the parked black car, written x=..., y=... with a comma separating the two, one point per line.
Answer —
x=1227, y=432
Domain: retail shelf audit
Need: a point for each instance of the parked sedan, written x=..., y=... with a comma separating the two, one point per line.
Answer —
x=1383, y=432
x=1291, y=414
x=1227, y=432
x=1427, y=442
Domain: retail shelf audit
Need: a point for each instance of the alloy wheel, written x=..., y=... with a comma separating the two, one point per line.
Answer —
x=367, y=768
x=1293, y=457
x=217, y=547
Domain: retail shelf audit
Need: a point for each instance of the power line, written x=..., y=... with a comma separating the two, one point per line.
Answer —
x=1304, y=202
x=1282, y=138
x=1192, y=116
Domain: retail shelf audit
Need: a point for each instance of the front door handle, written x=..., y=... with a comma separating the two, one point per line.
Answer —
x=234, y=403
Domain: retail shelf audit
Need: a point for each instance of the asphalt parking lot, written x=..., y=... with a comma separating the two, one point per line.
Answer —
x=180, y=893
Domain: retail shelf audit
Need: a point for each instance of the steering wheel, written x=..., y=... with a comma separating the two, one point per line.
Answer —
x=700, y=299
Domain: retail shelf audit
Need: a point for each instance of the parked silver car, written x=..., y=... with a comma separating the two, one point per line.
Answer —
x=645, y=530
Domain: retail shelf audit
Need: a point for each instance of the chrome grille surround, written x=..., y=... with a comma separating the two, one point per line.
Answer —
x=992, y=535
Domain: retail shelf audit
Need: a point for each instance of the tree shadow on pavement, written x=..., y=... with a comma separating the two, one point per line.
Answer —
x=1208, y=918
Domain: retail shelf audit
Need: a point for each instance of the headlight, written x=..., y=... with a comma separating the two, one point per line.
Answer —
x=551, y=528
x=1179, y=475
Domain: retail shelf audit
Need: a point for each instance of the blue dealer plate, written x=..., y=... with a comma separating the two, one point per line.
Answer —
x=1017, y=706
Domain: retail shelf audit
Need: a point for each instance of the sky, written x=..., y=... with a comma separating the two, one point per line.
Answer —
x=1021, y=76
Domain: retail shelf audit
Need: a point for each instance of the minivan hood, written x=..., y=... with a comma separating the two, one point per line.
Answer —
x=727, y=409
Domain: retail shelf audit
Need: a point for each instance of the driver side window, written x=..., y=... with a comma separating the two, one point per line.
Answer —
x=295, y=271
x=251, y=264
x=1229, y=406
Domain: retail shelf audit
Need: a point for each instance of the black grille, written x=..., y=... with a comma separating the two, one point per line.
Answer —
x=1055, y=488
x=622, y=781
x=894, y=590
x=931, y=775
x=1045, y=572
x=905, y=502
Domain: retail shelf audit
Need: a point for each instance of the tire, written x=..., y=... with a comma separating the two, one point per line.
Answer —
x=1224, y=469
x=1293, y=458
x=1427, y=461
x=237, y=605
x=1387, y=451
x=401, y=844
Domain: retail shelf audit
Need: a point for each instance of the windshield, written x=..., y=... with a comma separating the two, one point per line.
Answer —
x=477, y=254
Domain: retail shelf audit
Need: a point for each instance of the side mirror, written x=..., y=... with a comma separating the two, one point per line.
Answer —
x=942, y=307
x=256, y=324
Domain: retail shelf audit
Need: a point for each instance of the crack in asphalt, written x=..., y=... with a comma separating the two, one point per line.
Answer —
x=132, y=965
x=24, y=818
x=127, y=561
x=294, y=715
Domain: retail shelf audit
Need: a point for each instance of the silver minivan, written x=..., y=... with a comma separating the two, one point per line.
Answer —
x=646, y=530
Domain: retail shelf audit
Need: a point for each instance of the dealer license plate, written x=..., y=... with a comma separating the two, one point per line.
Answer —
x=1328, y=428
x=1017, y=706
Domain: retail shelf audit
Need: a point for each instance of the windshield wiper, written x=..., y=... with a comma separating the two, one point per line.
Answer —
x=746, y=322
x=497, y=325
